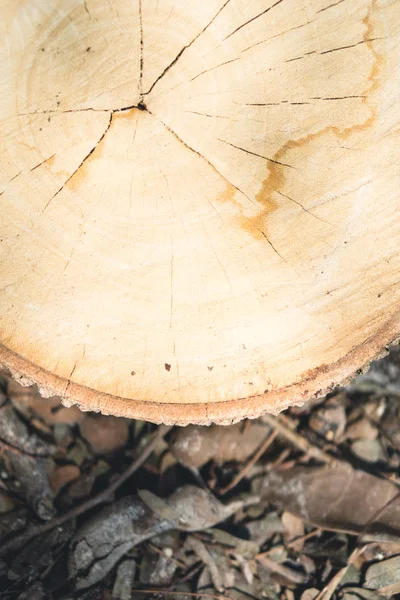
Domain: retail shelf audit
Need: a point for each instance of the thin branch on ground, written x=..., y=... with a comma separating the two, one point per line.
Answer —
x=191, y=594
x=275, y=567
x=285, y=430
x=243, y=472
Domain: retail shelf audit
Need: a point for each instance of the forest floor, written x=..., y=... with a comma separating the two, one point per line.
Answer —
x=301, y=506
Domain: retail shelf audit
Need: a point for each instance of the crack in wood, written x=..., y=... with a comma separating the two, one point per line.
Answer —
x=81, y=163
x=227, y=62
x=177, y=57
x=141, y=52
x=200, y=155
x=264, y=12
x=330, y=6
x=271, y=160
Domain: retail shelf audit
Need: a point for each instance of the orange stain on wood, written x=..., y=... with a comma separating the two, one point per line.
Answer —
x=257, y=226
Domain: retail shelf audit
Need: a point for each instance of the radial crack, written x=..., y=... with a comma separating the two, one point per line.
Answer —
x=272, y=245
x=216, y=67
x=330, y=6
x=264, y=12
x=61, y=112
x=351, y=45
x=82, y=162
x=177, y=57
x=201, y=156
x=141, y=51
x=271, y=160
x=42, y=163
x=302, y=207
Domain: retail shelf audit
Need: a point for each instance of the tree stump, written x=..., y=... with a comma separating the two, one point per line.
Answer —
x=200, y=200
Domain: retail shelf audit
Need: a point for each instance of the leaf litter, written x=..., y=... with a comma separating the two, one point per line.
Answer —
x=301, y=506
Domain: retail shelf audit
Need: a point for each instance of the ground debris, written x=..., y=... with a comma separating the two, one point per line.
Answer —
x=28, y=462
x=337, y=497
x=105, y=434
x=101, y=542
x=122, y=589
x=384, y=576
x=194, y=446
x=301, y=506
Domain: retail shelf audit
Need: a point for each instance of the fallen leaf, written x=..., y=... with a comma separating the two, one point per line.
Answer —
x=206, y=558
x=265, y=528
x=29, y=402
x=329, y=420
x=246, y=548
x=357, y=593
x=310, y=594
x=61, y=476
x=194, y=446
x=103, y=540
x=293, y=528
x=6, y=504
x=122, y=589
x=35, y=592
x=361, y=429
x=15, y=433
x=105, y=434
x=337, y=498
x=31, y=475
x=163, y=571
x=384, y=576
x=28, y=459
x=9, y=526
x=368, y=450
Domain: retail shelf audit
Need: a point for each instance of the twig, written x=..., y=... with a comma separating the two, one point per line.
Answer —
x=327, y=592
x=275, y=567
x=191, y=594
x=243, y=472
x=102, y=497
x=299, y=441
x=302, y=538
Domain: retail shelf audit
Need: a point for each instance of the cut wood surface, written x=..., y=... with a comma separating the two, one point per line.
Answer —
x=199, y=200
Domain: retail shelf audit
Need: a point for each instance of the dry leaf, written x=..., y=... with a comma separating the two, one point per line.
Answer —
x=105, y=434
x=28, y=401
x=356, y=593
x=361, y=429
x=329, y=420
x=310, y=594
x=368, y=450
x=384, y=576
x=32, y=476
x=194, y=446
x=124, y=580
x=201, y=551
x=293, y=528
x=102, y=541
x=63, y=475
x=6, y=504
x=337, y=498
x=163, y=571
x=14, y=433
